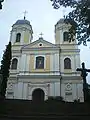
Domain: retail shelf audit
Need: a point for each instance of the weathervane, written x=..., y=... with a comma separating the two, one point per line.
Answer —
x=41, y=34
x=25, y=14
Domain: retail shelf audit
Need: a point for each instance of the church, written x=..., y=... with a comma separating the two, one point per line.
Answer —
x=40, y=69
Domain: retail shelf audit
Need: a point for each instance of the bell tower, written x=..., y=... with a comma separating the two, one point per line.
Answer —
x=69, y=52
x=62, y=33
x=21, y=33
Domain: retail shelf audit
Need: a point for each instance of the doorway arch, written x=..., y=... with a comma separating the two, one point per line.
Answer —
x=38, y=95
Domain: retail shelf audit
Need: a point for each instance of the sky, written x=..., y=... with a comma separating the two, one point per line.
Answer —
x=42, y=17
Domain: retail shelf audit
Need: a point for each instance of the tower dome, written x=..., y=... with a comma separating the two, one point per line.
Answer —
x=21, y=32
x=21, y=22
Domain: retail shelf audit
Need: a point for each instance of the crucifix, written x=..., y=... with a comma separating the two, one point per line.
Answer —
x=41, y=34
x=84, y=75
x=25, y=14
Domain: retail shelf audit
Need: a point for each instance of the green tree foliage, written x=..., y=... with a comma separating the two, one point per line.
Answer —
x=79, y=15
x=5, y=66
x=1, y=3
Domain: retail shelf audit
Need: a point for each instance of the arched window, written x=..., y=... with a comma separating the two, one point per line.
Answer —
x=40, y=62
x=67, y=63
x=14, y=63
x=65, y=36
x=18, y=37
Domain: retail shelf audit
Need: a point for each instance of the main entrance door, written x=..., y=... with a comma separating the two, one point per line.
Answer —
x=38, y=95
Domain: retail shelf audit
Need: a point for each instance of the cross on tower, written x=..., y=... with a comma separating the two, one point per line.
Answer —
x=41, y=34
x=63, y=11
x=25, y=14
x=84, y=74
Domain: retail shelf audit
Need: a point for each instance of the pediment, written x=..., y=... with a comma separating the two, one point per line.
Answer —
x=39, y=43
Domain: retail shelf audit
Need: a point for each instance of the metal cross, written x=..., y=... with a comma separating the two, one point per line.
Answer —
x=25, y=14
x=64, y=12
x=41, y=34
x=84, y=74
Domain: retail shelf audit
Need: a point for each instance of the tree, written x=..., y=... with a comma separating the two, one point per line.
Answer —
x=5, y=66
x=80, y=16
x=1, y=3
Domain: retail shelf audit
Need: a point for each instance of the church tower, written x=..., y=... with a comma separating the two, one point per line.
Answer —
x=21, y=33
x=69, y=52
x=69, y=61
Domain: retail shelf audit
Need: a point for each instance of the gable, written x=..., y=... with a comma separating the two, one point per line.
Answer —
x=38, y=44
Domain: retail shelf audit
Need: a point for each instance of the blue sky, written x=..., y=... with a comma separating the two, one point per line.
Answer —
x=42, y=17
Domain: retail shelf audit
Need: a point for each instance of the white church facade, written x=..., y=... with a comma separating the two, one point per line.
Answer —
x=41, y=67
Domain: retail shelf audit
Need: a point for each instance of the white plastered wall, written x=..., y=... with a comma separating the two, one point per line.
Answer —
x=56, y=62
x=23, y=62
x=20, y=29
x=55, y=89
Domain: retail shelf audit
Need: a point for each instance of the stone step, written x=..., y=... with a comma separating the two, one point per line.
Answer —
x=25, y=109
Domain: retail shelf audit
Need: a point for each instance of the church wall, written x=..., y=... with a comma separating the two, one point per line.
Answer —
x=60, y=28
x=25, y=90
x=18, y=64
x=25, y=31
x=57, y=88
x=22, y=37
x=77, y=58
x=21, y=40
x=23, y=62
x=61, y=63
x=15, y=90
x=69, y=46
x=26, y=36
x=51, y=62
x=53, y=89
x=12, y=37
x=75, y=61
x=20, y=90
x=73, y=64
x=56, y=62
x=61, y=36
x=68, y=92
x=33, y=63
x=52, y=92
x=74, y=91
x=62, y=91
x=27, y=62
x=77, y=91
x=37, y=45
x=80, y=92
x=47, y=62
x=57, y=37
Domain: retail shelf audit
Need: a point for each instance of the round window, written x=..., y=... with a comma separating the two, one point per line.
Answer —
x=40, y=44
